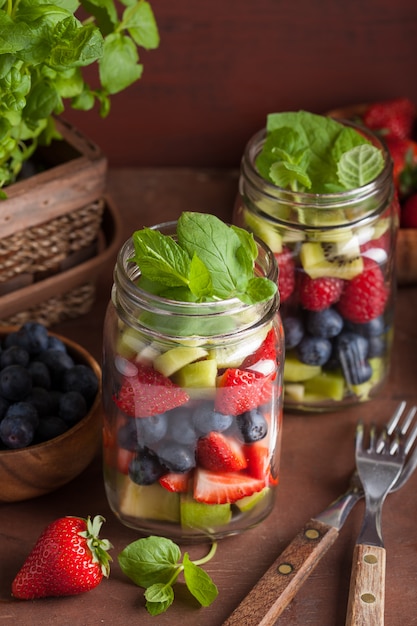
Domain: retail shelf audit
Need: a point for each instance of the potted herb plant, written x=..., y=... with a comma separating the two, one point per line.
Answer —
x=51, y=175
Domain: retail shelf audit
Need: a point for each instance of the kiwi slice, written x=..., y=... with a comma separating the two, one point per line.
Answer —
x=174, y=359
x=296, y=372
x=326, y=385
x=201, y=374
x=203, y=516
x=148, y=502
x=337, y=259
x=264, y=231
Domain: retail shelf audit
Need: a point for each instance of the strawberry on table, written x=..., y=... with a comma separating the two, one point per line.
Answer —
x=404, y=156
x=67, y=559
x=240, y=390
x=149, y=393
x=392, y=118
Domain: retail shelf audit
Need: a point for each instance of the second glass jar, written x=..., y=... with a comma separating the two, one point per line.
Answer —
x=336, y=259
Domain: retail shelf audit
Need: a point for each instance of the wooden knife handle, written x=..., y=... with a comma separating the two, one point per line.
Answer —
x=367, y=587
x=277, y=587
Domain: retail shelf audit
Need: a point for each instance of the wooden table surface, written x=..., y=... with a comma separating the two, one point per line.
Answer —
x=317, y=459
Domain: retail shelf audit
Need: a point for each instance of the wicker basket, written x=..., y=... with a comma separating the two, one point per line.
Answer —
x=406, y=252
x=51, y=223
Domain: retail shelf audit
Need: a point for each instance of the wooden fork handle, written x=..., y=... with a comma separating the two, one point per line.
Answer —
x=367, y=587
x=277, y=587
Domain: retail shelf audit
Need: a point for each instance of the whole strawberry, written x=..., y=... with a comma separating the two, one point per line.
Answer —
x=67, y=559
x=404, y=156
x=391, y=118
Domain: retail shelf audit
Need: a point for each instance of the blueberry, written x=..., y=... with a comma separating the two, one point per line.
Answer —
x=373, y=328
x=206, y=419
x=32, y=336
x=252, y=425
x=16, y=432
x=58, y=363
x=177, y=457
x=181, y=427
x=151, y=429
x=314, y=350
x=293, y=331
x=83, y=379
x=40, y=374
x=4, y=405
x=15, y=382
x=326, y=323
x=15, y=355
x=72, y=407
x=40, y=398
x=127, y=436
x=24, y=410
x=353, y=350
x=354, y=343
x=54, y=343
x=377, y=346
x=145, y=468
x=50, y=427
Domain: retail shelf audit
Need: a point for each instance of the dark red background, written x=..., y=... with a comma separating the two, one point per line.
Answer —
x=223, y=65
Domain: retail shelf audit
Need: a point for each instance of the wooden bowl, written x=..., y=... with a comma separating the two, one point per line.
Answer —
x=406, y=251
x=40, y=469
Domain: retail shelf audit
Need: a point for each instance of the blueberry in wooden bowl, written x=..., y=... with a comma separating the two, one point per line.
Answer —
x=50, y=411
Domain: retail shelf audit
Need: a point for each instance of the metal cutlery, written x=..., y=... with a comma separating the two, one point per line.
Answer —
x=280, y=583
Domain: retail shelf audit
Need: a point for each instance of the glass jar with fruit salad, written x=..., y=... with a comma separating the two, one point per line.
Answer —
x=320, y=193
x=192, y=380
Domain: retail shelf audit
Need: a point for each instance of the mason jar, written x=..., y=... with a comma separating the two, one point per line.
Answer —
x=336, y=259
x=192, y=396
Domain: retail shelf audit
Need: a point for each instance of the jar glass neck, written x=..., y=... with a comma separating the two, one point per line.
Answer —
x=139, y=308
x=291, y=207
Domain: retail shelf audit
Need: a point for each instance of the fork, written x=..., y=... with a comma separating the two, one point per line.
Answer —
x=378, y=466
x=280, y=583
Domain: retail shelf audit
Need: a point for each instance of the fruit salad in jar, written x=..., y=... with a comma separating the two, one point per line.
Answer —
x=192, y=388
x=320, y=193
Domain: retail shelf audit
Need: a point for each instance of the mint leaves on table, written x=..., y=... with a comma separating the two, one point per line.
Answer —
x=209, y=261
x=316, y=154
x=155, y=564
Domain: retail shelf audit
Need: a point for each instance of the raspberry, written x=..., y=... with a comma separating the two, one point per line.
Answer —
x=286, y=275
x=364, y=297
x=317, y=294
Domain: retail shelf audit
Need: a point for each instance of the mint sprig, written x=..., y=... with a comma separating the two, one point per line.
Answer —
x=210, y=261
x=316, y=154
x=154, y=563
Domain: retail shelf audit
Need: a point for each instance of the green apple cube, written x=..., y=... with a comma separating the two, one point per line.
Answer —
x=174, y=359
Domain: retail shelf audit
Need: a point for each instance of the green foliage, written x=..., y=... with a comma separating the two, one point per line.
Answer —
x=155, y=564
x=43, y=50
x=316, y=154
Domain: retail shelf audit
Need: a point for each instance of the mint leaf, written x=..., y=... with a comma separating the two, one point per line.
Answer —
x=199, y=582
x=258, y=290
x=159, y=598
x=150, y=560
x=160, y=258
x=302, y=152
x=360, y=166
x=119, y=66
x=200, y=282
x=140, y=22
x=217, y=245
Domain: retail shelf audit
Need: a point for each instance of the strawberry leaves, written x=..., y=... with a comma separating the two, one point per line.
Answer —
x=155, y=564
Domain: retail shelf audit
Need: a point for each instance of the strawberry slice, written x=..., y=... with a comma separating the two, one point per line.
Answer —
x=149, y=393
x=241, y=390
x=259, y=466
x=218, y=453
x=266, y=351
x=175, y=482
x=223, y=488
